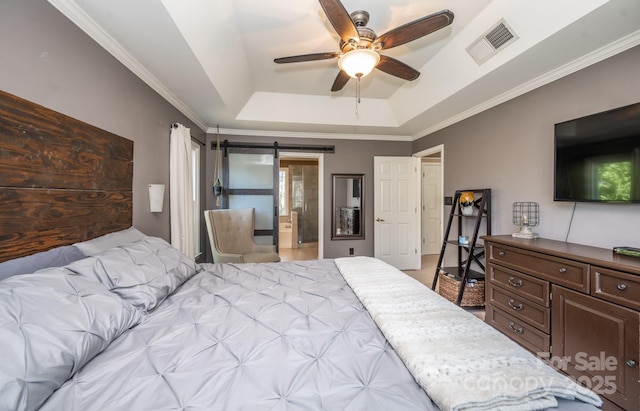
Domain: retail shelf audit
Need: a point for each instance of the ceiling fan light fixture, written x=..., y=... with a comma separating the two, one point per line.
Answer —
x=359, y=62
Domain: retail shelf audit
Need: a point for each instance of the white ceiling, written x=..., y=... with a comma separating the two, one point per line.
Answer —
x=213, y=60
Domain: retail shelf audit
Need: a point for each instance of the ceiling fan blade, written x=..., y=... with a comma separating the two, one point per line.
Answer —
x=415, y=29
x=397, y=68
x=341, y=79
x=306, y=57
x=340, y=20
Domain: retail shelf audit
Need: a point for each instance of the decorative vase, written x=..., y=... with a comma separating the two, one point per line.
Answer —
x=217, y=188
x=466, y=203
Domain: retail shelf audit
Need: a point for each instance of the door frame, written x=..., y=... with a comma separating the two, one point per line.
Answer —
x=427, y=152
x=431, y=238
x=320, y=158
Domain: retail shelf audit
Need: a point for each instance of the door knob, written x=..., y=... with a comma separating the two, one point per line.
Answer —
x=379, y=219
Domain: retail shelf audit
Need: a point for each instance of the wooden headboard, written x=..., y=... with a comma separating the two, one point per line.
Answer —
x=61, y=180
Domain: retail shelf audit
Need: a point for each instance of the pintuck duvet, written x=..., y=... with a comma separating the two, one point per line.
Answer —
x=250, y=337
x=141, y=327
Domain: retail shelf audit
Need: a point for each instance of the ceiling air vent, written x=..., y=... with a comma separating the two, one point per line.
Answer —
x=491, y=42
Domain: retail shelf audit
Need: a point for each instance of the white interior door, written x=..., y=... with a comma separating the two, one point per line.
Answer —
x=431, y=208
x=397, y=211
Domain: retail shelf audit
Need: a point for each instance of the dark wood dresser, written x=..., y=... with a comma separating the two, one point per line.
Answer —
x=576, y=305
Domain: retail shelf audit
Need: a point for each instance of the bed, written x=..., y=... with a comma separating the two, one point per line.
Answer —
x=100, y=316
x=140, y=326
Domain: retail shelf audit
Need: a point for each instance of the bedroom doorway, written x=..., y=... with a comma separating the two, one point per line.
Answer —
x=431, y=208
x=300, y=206
x=432, y=212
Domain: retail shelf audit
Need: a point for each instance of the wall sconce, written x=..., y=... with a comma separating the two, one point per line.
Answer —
x=156, y=197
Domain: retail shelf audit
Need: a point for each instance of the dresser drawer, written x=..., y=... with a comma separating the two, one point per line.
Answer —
x=529, y=337
x=616, y=286
x=572, y=274
x=531, y=288
x=533, y=314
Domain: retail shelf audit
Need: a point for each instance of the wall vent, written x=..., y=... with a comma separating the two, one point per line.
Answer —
x=494, y=40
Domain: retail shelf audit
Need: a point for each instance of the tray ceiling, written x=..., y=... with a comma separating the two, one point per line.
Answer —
x=213, y=60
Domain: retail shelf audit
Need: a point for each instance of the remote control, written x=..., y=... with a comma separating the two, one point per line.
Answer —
x=631, y=251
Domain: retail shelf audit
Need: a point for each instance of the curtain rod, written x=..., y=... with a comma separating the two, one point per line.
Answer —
x=175, y=125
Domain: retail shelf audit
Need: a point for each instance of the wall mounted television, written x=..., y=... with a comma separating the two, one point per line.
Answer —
x=597, y=157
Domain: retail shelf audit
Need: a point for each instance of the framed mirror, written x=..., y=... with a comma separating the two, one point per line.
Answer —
x=347, y=216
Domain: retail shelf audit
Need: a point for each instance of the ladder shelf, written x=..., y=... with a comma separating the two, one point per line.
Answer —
x=469, y=251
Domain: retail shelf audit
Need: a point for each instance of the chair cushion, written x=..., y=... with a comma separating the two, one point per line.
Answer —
x=261, y=258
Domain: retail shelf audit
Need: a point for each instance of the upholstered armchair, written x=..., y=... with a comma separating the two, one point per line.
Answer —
x=231, y=237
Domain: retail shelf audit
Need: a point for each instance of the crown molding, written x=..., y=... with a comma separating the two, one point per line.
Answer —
x=587, y=60
x=74, y=13
x=309, y=135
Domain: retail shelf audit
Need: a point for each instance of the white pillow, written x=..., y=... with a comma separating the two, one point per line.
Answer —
x=142, y=273
x=55, y=257
x=52, y=323
x=108, y=241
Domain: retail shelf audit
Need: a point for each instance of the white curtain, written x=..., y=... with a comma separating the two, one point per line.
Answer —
x=180, y=191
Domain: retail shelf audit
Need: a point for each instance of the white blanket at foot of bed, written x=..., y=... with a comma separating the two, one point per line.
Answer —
x=461, y=362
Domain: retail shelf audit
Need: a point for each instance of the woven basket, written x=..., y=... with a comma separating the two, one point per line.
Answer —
x=473, y=295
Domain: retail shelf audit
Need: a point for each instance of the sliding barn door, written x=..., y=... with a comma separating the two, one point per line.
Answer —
x=251, y=181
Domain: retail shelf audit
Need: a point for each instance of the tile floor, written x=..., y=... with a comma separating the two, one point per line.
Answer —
x=307, y=251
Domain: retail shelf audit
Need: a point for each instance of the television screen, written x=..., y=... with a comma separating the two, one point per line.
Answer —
x=597, y=157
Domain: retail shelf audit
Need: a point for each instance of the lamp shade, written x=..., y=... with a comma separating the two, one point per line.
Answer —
x=359, y=62
x=525, y=216
x=156, y=197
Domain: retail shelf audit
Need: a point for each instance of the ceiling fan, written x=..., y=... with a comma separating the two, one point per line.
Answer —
x=360, y=46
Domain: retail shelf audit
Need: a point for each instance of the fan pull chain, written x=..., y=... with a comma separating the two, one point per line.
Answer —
x=357, y=93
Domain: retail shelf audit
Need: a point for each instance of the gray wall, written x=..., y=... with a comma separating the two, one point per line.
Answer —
x=510, y=150
x=48, y=60
x=350, y=157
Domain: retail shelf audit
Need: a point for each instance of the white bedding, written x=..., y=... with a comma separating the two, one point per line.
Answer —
x=461, y=362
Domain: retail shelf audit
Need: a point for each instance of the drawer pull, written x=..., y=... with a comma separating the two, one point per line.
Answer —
x=562, y=270
x=514, y=329
x=501, y=253
x=515, y=283
x=630, y=363
x=516, y=307
x=622, y=286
